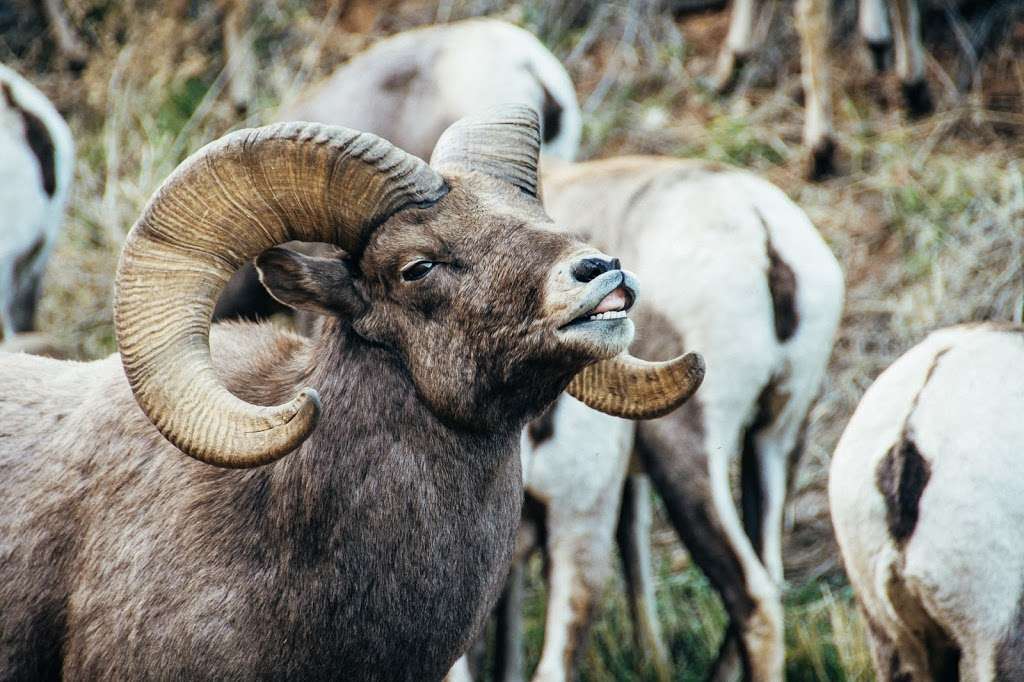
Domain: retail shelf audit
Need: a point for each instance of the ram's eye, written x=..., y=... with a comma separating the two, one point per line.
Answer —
x=417, y=270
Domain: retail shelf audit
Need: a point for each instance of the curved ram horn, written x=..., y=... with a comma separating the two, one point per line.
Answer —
x=502, y=142
x=225, y=204
x=631, y=388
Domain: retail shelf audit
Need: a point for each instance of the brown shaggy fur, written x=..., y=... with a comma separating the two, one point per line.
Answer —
x=372, y=552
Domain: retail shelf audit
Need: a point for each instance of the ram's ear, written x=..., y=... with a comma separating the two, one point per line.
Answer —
x=319, y=285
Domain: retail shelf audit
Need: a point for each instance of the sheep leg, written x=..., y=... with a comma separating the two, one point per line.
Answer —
x=812, y=24
x=508, y=664
x=459, y=672
x=885, y=656
x=913, y=646
x=7, y=296
x=739, y=45
x=695, y=489
x=980, y=660
x=238, y=54
x=575, y=580
x=24, y=303
x=773, y=459
x=771, y=448
x=910, y=57
x=873, y=21
x=68, y=43
x=633, y=537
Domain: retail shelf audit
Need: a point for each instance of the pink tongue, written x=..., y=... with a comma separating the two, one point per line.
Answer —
x=613, y=301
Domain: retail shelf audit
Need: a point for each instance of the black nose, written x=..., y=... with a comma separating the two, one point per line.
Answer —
x=589, y=268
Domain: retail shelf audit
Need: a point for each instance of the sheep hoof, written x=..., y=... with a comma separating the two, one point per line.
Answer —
x=821, y=162
x=918, y=99
x=727, y=73
x=880, y=56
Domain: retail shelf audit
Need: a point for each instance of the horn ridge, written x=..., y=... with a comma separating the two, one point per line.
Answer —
x=628, y=387
x=234, y=198
x=502, y=142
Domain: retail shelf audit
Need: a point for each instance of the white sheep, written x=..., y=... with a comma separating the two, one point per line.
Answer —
x=411, y=86
x=36, y=165
x=739, y=271
x=925, y=498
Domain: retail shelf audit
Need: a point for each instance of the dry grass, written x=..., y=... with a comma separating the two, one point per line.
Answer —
x=927, y=219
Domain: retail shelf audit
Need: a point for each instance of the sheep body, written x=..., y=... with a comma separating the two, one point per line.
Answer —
x=195, y=571
x=410, y=87
x=702, y=234
x=36, y=164
x=926, y=513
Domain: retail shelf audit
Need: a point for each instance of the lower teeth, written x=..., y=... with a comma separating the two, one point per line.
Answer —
x=610, y=315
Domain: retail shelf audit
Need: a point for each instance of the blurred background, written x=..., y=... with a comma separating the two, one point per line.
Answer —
x=925, y=213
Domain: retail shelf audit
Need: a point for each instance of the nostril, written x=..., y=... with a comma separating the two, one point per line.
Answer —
x=589, y=268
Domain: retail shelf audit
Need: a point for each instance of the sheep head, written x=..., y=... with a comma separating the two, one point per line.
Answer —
x=452, y=266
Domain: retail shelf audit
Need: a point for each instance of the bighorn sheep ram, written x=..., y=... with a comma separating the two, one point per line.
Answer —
x=410, y=87
x=375, y=549
x=36, y=164
x=741, y=273
x=925, y=499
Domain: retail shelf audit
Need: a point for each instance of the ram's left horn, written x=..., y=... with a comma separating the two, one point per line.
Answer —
x=629, y=387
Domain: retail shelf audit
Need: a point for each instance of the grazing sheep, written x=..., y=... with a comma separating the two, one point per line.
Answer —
x=925, y=498
x=376, y=548
x=410, y=87
x=743, y=274
x=36, y=164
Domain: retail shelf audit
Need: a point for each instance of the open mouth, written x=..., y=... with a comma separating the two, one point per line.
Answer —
x=614, y=306
x=609, y=298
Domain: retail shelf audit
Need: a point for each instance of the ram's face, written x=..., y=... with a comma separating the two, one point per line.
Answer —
x=454, y=270
x=481, y=298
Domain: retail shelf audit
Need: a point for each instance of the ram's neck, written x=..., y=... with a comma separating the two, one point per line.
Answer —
x=396, y=522
x=379, y=454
